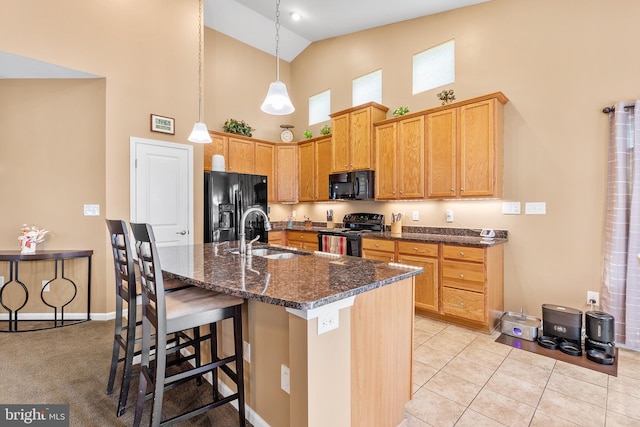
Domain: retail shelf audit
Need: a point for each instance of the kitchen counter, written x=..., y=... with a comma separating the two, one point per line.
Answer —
x=316, y=327
x=305, y=282
x=453, y=236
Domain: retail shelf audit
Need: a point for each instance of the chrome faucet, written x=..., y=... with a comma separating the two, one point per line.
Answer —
x=241, y=234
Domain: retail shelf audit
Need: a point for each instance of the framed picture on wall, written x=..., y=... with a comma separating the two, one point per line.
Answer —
x=162, y=124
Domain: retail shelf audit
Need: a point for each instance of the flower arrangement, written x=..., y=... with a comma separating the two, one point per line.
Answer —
x=326, y=130
x=400, y=111
x=446, y=96
x=239, y=127
x=308, y=134
x=30, y=236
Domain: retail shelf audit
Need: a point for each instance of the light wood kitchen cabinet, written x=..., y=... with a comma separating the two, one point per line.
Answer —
x=287, y=168
x=219, y=145
x=465, y=148
x=472, y=285
x=242, y=153
x=352, y=132
x=264, y=164
x=399, y=159
x=277, y=237
x=305, y=240
x=314, y=160
x=378, y=249
x=423, y=255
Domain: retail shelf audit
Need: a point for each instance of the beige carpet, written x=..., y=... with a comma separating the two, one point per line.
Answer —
x=70, y=365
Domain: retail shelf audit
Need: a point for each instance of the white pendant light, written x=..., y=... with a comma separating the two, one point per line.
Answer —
x=200, y=133
x=277, y=101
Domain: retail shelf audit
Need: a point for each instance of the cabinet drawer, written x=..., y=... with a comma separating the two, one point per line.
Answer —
x=379, y=245
x=463, y=275
x=301, y=236
x=463, y=253
x=464, y=304
x=413, y=248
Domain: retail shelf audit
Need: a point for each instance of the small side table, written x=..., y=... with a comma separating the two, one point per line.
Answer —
x=14, y=258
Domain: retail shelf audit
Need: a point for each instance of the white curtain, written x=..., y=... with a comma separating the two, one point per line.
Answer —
x=621, y=276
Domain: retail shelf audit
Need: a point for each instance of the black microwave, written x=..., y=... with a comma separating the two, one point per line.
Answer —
x=352, y=185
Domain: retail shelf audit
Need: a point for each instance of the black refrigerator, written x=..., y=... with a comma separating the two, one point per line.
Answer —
x=226, y=197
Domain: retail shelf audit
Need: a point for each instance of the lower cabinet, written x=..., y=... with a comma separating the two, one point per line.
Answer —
x=423, y=255
x=276, y=237
x=460, y=284
x=305, y=240
x=379, y=249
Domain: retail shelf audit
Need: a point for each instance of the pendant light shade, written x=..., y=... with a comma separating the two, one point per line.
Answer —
x=277, y=101
x=200, y=133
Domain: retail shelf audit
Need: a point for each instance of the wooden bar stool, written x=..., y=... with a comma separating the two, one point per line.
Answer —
x=127, y=292
x=179, y=311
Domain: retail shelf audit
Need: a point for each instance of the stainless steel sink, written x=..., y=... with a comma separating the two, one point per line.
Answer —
x=272, y=253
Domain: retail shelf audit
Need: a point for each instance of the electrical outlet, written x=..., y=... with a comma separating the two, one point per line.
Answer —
x=327, y=322
x=449, y=215
x=246, y=351
x=511, y=208
x=593, y=296
x=45, y=286
x=285, y=380
x=535, y=208
x=416, y=215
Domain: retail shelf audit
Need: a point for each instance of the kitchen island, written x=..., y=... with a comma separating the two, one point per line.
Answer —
x=335, y=330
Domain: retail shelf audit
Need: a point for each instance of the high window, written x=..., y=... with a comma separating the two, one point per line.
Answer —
x=434, y=67
x=367, y=88
x=319, y=107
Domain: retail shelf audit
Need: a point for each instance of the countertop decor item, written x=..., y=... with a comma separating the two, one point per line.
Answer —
x=446, y=96
x=31, y=235
x=239, y=127
x=200, y=132
x=277, y=101
x=286, y=135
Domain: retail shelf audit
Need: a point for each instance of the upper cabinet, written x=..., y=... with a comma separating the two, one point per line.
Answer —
x=242, y=154
x=465, y=148
x=399, y=159
x=352, y=132
x=287, y=166
x=314, y=165
x=265, y=164
x=219, y=145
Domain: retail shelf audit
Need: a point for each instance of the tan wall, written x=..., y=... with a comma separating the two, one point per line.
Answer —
x=559, y=63
x=147, y=53
x=552, y=59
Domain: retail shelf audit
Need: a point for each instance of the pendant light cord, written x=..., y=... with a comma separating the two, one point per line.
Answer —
x=277, y=40
x=200, y=61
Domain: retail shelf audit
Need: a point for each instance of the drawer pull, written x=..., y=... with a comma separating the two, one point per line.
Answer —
x=377, y=245
x=461, y=304
x=461, y=253
x=415, y=249
x=462, y=276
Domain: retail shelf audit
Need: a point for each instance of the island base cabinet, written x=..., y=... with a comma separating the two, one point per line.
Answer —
x=358, y=374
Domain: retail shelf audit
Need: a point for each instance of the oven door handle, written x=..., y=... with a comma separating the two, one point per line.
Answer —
x=356, y=187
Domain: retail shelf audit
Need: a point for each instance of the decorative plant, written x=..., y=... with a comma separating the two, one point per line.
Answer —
x=31, y=235
x=326, y=130
x=446, y=96
x=400, y=111
x=308, y=134
x=238, y=127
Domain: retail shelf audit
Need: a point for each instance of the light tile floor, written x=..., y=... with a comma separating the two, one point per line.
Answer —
x=463, y=378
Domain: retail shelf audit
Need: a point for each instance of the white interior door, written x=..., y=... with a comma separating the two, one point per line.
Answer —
x=162, y=189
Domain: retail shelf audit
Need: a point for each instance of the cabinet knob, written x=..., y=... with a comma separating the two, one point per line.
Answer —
x=453, y=190
x=461, y=304
x=461, y=188
x=401, y=192
x=377, y=245
x=462, y=276
x=415, y=249
x=461, y=253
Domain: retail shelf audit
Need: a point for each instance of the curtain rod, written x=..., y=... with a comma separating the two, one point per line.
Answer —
x=611, y=109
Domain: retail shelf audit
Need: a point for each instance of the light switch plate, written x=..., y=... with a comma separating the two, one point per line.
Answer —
x=91, y=210
x=416, y=215
x=511, y=208
x=535, y=208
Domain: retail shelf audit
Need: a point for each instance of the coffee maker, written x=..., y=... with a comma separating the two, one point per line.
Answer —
x=599, y=337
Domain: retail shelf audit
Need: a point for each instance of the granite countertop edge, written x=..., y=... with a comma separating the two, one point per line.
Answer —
x=454, y=236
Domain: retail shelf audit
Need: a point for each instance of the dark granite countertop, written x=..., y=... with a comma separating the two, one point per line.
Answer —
x=304, y=282
x=453, y=236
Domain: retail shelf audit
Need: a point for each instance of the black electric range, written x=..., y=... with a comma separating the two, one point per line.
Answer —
x=355, y=225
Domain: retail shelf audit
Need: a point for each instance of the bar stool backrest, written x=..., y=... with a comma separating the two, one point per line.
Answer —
x=152, y=285
x=122, y=260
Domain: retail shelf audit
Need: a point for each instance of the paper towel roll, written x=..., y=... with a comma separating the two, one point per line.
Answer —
x=217, y=163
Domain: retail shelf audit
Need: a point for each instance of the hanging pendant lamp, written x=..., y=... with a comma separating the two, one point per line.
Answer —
x=277, y=101
x=200, y=133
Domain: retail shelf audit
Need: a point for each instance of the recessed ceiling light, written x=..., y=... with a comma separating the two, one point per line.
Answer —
x=295, y=16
